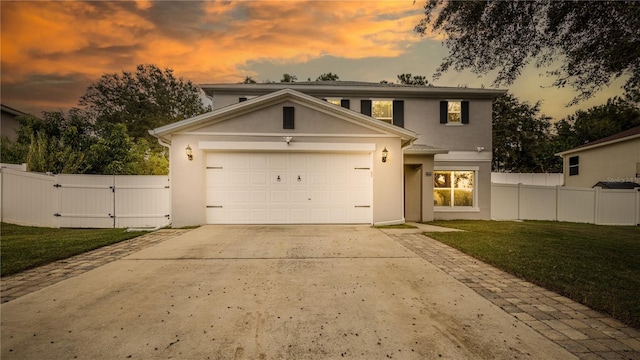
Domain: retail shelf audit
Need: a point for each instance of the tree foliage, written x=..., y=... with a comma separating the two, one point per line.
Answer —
x=409, y=79
x=617, y=115
x=54, y=143
x=521, y=138
x=328, y=77
x=593, y=42
x=143, y=100
x=288, y=78
x=248, y=80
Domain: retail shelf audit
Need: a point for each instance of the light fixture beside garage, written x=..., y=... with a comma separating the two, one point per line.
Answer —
x=287, y=139
x=189, y=152
x=385, y=153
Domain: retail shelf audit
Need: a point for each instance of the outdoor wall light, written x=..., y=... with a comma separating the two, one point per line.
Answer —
x=385, y=153
x=189, y=152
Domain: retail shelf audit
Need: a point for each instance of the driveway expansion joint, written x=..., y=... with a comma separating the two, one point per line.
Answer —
x=586, y=333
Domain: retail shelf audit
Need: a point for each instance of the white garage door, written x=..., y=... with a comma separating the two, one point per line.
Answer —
x=286, y=188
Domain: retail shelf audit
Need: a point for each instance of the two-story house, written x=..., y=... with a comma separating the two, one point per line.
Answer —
x=332, y=152
x=610, y=162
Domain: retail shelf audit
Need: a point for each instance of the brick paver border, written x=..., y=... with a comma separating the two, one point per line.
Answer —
x=26, y=282
x=586, y=333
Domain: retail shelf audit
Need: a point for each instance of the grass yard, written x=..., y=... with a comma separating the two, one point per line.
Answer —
x=596, y=265
x=24, y=247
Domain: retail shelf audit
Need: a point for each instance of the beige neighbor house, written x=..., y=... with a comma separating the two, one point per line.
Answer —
x=611, y=162
x=332, y=152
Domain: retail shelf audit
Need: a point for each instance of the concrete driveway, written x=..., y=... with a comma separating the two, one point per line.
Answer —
x=267, y=292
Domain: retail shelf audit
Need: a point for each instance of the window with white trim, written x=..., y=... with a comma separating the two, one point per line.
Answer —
x=453, y=188
x=382, y=110
x=574, y=165
x=454, y=112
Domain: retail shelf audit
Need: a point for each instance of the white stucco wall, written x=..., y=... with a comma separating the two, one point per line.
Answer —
x=188, y=177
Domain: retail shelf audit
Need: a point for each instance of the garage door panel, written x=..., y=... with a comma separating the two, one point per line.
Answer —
x=260, y=178
x=238, y=178
x=299, y=215
x=312, y=188
x=318, y=178
x=259, y=196
x=279, y=161
x=279, y=197
x=299, y=196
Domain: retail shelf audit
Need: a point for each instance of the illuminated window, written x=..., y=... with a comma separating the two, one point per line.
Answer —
x=454, y=112
x=334, y=101
x=382, y=110
x=453, y=188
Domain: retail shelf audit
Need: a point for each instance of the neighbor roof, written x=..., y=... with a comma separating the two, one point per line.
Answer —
x=339, y=88
x=621, y=136
x=616, y=185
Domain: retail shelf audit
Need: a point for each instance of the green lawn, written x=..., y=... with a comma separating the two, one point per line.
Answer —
x=596, y=265
x=23, y=247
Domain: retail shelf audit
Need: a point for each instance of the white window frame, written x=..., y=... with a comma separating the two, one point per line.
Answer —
x=386, y=119
x=574, y=166
x=459, y=102
x=452, y=208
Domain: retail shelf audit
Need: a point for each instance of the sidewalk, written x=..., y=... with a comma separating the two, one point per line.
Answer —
x=14, y=286
x=586, y=333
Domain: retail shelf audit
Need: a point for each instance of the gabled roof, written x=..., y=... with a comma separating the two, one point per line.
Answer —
x=617, y=185
x=344, y=88
x=615, y=138
x=254, y=104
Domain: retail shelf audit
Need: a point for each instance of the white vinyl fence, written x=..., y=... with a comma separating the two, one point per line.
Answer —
x=528, y=178
x=84, y=201
x=586, y=205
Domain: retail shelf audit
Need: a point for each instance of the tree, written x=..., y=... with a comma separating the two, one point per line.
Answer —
x=408, y=79
x=143, y=100
x=328, y=77
x=521, y=138
x=287, y=78
x=593, y=41
x=618, y=114
x=248, y=80
x=54, y=143
x=112, y=153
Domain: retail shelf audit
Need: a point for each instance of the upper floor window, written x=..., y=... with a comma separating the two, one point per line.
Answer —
x=454, y=112
x=574, y=165
x=382, y=110
x=334, y=101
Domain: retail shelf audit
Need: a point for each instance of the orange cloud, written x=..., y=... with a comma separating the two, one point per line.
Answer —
x=205, y=42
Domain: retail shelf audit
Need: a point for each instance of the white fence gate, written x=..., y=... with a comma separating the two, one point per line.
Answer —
x=84, y=201
x=587, y=205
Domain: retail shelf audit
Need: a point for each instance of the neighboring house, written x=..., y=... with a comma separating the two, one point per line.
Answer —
x=8, y=122
x=332, y=152
x=615, y=158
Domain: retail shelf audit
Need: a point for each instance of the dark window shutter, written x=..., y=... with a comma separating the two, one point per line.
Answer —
x=288, y=117
x=464, y=108
x=345, y=103
x=242, y=99
x=365, y=107
x=444, y=112
x=398, y=113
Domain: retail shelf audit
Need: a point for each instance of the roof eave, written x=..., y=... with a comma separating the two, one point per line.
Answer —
x=589, y=147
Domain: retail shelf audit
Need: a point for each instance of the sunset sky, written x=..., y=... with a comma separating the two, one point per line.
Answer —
x=52, y=50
